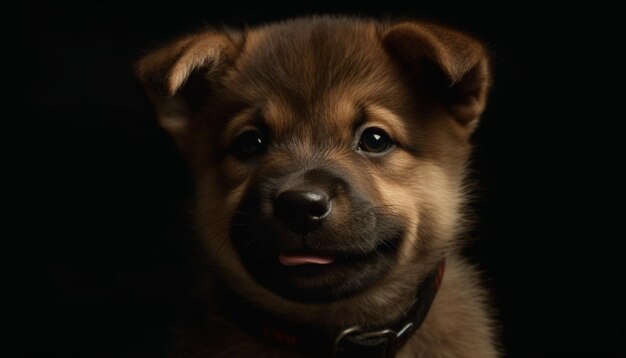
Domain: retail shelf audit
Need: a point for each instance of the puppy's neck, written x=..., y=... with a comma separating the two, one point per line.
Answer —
x=369, y=338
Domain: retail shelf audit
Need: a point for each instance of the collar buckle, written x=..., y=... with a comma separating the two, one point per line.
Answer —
x=355, y=342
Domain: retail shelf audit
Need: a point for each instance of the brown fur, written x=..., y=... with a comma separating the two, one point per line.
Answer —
x=424, y=84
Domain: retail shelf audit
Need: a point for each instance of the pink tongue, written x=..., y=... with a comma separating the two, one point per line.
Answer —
x=295, y=259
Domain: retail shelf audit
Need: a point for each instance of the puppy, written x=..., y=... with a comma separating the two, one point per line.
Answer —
x=329, y=157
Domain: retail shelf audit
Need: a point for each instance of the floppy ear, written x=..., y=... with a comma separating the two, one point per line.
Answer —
x=179, y=77
x=454, y=65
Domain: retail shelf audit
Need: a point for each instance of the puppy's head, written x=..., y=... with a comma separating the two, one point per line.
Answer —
x=328, y=152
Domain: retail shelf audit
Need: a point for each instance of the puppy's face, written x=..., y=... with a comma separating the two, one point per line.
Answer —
x=328, y=152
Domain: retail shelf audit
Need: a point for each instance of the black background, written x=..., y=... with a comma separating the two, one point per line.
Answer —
x=93, y=192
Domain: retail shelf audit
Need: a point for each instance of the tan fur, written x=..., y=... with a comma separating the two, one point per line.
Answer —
x=310, y=78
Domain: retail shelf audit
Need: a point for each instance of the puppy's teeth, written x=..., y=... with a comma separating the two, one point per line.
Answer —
x=292, y=259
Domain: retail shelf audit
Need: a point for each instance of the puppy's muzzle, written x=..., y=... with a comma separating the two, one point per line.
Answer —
x=301, y=233
x=302, y=211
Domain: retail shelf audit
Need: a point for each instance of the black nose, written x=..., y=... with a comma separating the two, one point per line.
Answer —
x=300, y=210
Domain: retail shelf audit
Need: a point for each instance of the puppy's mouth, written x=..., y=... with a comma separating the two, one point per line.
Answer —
x=312, y=275
x=299, y=258
x=328, y=260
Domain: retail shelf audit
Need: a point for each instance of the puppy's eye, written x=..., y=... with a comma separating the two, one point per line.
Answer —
x=375, y=140
x=249, y=144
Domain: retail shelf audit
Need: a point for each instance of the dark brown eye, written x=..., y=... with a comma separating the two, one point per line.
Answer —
x=249, y=144
x=375, y=140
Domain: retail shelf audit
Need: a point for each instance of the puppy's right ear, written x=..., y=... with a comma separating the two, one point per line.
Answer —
x=179, y=76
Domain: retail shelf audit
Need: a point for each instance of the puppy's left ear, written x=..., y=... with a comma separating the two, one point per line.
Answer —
x=455, y=66
x=180, y=76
